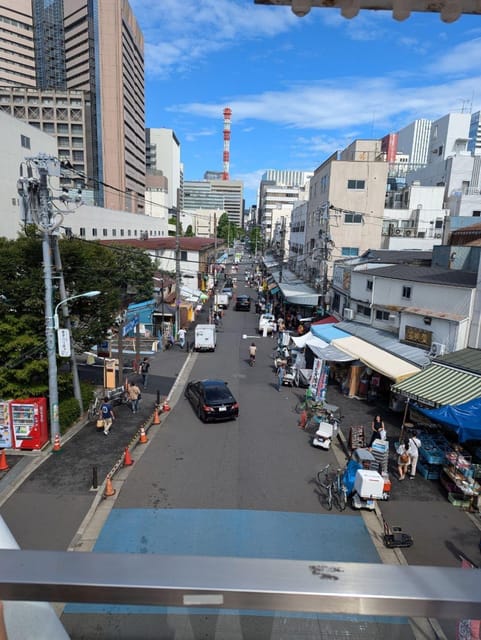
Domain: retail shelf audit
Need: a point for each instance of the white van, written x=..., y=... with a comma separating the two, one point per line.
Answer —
x=205, y=337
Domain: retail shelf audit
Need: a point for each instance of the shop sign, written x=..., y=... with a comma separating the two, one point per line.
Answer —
x=418, y=336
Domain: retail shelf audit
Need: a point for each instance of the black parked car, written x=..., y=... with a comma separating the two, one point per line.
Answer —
x=243, y=303
x=212, y=400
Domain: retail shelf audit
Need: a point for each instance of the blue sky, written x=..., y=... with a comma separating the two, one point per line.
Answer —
x=299, y=88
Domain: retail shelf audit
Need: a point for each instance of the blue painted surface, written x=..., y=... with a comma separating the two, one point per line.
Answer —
x=233, y=533
x=237, y=533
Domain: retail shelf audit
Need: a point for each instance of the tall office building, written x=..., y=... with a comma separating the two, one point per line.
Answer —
x=413, y=141
x=163, y=155
x=17, y=44
x=215, y=195
x=92, y=46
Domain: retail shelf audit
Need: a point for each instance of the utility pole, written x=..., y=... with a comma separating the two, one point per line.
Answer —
x=177, y=271
x=281, y=248
x=63, y=295
x=46, y=166
x=325, y=253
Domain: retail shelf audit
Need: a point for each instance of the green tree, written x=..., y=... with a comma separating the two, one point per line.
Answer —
x=227, y=230
x=189, y=232
x=122, y=275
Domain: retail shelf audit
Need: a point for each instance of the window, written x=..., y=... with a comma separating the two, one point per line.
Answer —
x=356, y=184
x=369, y=285
x=25, y=142
x=406, y=293
x=183, y=256
x=382, y=315
x=363, y=310
x=114, y=232
x=349, y=251
x=105, y=233
x=121, y=232
x=82, y=232
x=94, y=232
x=351, y=218
x=129, y=232
x=476, y=214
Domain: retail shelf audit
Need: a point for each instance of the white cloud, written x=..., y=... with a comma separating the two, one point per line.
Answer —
x=459, y=60
x=337, y=104
x=179, y=35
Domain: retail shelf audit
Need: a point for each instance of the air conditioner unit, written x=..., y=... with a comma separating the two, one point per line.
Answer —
x=407, y=232
x=437, y=348
x=437, y=235
x=348, y=314
x=392, y=317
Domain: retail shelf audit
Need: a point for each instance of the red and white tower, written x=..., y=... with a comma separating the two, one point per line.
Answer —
x=226, y=156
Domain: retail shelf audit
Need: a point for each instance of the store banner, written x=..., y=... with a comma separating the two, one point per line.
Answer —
x=318, y=383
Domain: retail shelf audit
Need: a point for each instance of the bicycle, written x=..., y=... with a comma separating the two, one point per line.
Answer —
x=334, y=488
x=94, y=407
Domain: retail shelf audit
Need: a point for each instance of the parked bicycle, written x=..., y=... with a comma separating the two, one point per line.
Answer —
x=334, y=489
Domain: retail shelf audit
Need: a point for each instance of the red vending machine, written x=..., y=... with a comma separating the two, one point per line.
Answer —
x=29, y=420
x=5, y=430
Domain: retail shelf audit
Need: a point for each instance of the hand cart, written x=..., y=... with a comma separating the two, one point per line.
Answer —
x=395, y=538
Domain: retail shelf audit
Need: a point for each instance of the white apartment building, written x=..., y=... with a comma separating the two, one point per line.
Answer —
x=297, y=237
x=414, y=218
x=279, y=190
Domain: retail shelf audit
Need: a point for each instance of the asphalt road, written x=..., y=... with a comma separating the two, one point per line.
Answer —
x=240, y=488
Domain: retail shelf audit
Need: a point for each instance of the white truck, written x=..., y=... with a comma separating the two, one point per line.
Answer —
x=221, y=300
x=205, y=337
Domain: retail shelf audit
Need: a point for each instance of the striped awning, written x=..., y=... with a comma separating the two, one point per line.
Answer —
x=438, y=385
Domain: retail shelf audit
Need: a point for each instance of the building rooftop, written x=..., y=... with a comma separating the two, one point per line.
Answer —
x=168, y=242
x=428, y=275
x=468, y=359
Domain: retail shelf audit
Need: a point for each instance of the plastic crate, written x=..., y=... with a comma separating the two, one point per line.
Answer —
x=459, y=500
x=428, y=471
x=432, y=455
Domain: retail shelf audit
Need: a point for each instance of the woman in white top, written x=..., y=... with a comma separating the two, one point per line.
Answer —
x=414, y=444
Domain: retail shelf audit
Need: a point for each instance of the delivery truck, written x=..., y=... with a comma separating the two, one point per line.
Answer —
x=205, y=337
x=221, y=300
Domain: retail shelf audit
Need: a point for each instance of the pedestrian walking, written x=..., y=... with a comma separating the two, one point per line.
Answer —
x=134, y=396
x=181, y=337
x=281, y=370
x=403, y=459
x=414, y=444
x=107, y=415
x=144, y=371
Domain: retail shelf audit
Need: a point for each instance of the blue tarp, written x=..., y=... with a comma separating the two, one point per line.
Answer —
x=328, y=332
x=464, y=419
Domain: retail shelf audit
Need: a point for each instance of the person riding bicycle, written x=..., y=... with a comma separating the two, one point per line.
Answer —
x=252, y=353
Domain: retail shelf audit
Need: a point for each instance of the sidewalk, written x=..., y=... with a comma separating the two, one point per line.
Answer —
x=41, y=488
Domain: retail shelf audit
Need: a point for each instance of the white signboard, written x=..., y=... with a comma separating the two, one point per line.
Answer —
x=63, y=340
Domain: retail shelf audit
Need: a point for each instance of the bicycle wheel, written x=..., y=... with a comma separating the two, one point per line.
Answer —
x=329, y=498
x=341, y=499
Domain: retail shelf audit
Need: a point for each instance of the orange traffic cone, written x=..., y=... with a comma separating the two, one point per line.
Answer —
x=56, y=444
x=156, y=416
x=3, y=461
x=109, y=490
x=143, y=436
x=165, y=406
x=127, y=458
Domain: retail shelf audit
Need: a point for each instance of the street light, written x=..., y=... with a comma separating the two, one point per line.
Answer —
x=89, y=294
x=51, y=326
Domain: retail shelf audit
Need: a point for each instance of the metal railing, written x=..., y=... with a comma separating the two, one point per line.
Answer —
x=240, y=583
